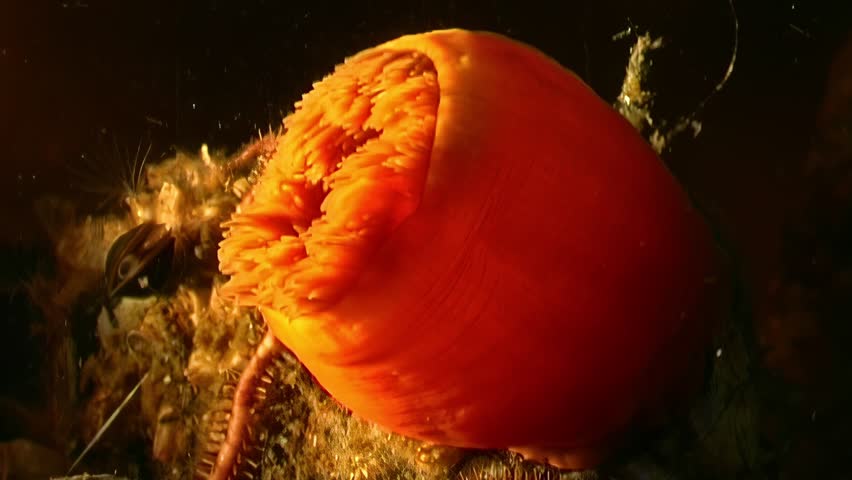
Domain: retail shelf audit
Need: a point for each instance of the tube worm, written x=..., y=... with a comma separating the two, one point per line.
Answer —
x=466, y=245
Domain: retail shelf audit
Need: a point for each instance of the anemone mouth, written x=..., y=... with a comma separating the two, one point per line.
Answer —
x=350, y=167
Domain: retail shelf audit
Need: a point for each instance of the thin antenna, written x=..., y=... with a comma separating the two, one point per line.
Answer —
x=107, y=424
x=731, y=63
x=141, y=173
x=659, y=140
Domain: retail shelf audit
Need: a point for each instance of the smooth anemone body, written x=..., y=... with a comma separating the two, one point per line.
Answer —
x=466, y=245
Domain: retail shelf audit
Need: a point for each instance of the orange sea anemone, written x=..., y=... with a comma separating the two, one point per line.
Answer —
x=465, y=245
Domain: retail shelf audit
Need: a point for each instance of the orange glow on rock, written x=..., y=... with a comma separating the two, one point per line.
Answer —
x=464, y=244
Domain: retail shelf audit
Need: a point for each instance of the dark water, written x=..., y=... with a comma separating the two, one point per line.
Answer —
x=79, y=77
x=215, y=72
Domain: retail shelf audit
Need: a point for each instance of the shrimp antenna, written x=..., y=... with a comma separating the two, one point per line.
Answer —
x=633, y=101
x=730, y=70
x=659, y=139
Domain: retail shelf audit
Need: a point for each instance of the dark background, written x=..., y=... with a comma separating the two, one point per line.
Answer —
x=78, y=74
x=181, y=73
